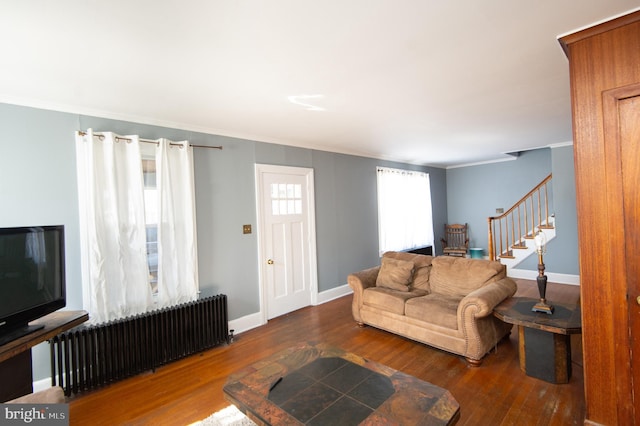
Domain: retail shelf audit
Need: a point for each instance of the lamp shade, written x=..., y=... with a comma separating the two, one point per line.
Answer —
x=541, y=242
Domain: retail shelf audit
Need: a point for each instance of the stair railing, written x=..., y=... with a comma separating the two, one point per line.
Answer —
x=510, y=230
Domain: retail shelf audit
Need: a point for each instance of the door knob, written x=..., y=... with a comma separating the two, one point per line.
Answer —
x=638, y=300
x=270, y=262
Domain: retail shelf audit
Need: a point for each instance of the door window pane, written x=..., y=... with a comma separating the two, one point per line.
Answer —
x=286, y=198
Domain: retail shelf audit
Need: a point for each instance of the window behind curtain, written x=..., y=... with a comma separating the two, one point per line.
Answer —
x=404, y=209
x=151, y=212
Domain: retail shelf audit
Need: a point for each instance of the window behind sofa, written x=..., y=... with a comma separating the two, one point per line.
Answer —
x=404, y=209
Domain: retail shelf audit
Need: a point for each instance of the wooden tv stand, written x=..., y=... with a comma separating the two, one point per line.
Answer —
x=15, y=356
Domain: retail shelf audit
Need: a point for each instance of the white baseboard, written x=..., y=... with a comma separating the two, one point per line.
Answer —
x=334, y=293
x=551, y=276
x=246, y=323
x=42, y=384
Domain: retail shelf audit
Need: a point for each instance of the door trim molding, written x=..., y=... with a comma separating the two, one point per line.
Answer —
x=307, y=173
x=621, y=277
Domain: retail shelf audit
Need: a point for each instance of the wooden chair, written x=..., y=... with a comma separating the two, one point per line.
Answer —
x=456, y=240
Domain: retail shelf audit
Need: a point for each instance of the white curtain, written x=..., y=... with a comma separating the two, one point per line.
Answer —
x=114, y=261
x=404, y=209
x=177, y=253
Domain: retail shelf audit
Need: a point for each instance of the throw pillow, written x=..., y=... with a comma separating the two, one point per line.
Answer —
x=395, y=274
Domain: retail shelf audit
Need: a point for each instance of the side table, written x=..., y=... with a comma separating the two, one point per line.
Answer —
x=15, y=356
x=543, y=340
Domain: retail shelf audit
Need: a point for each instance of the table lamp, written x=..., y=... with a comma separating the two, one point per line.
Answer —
x=541, y=247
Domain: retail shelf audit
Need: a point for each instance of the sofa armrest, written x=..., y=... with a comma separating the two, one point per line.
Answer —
x=363, y=279
x=359, y=281
x=481, y=329
x=488, y=297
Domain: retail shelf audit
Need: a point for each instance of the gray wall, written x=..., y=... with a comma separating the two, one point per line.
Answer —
x=562, y=251
x=38, y=186
x=474, y=193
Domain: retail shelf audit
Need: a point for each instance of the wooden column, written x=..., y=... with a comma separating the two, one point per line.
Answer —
x=604, y=64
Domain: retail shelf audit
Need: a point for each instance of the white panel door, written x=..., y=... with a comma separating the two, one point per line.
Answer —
x=287, y=252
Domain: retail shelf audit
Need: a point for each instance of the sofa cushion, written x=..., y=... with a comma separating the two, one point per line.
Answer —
x=457, y=276
x=421, y=278
x=387, y=299
x=422, y=267
x=395, y=274
x=434, y=308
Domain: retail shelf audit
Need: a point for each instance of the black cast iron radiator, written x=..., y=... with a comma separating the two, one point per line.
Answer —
x=88, y=357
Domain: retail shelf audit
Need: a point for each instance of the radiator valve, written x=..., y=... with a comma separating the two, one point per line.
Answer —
x=230, y=339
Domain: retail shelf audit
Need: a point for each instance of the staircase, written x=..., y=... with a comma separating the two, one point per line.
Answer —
x=511, y=234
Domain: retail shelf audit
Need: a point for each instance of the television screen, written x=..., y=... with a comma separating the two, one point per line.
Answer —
x=32, y=277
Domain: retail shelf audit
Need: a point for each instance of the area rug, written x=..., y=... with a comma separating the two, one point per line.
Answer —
x=229, y=416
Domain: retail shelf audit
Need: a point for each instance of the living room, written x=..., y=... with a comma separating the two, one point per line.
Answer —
x=38, y=171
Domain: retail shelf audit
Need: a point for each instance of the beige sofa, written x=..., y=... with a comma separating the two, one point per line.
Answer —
x=445, y=302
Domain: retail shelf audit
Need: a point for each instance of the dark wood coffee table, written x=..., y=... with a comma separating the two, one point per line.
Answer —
x=543, y=340
x=320, y=385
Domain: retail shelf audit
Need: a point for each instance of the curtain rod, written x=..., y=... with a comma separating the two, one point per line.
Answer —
x=120, y=138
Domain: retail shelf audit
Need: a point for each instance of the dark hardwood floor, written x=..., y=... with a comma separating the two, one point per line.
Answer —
x=497, y=393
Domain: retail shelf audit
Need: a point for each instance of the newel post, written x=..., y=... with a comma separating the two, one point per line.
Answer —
x=492, y=255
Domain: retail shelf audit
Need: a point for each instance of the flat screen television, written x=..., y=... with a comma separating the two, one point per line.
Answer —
x=32, y=277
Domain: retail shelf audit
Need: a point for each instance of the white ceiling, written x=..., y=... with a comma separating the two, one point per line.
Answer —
x=419, y=81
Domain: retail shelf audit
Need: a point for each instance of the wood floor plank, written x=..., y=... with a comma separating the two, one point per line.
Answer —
x=497, y=392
